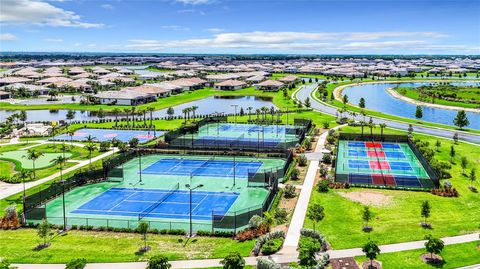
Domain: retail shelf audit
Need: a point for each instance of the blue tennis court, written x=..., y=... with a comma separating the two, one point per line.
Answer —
x=357, y=153
x=101, y=135
x=403, y=166
x=356, y=144
x=394, y=154
x=358, y=164
x=145, y=203
x=198, y=167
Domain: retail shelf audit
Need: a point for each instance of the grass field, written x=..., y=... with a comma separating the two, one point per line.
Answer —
x=454, y=256
x=399, y=219
x=112, y=247
x=465, y=93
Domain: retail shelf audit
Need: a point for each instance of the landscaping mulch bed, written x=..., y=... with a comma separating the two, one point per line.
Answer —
x=432, y=259
x=371, y=265
x=344, y=263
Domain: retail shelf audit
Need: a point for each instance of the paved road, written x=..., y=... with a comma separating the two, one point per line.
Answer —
x=305, y=91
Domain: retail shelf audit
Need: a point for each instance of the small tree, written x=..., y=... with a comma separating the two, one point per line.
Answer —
x=361, y=104
x=43, y=231
x=133, y=143
x=158, y=262
x=461, y=119
x=143, y=230
x=473, y=175
x=307, y=102
x=345, y=99
x=371, y=251
x=367, y=216
x=425, y=212
x=233, y=261
x=170, y=112
x=307, y=254
x=255, y=222
x=315, y=213
x=455, y=138
x=438, y=144
x=433, y=245
x=452, y=153
x=463, y=163
x=419, y=112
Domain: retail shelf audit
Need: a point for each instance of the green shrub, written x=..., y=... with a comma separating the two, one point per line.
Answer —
x=289, y=191
x=272, y=246
x=281, y=215
x=322, y=186
x=302, y=160
x=295, y=174
x=76, y=264
x=158, y=262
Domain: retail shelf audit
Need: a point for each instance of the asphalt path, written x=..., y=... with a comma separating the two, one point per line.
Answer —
x=306, y=90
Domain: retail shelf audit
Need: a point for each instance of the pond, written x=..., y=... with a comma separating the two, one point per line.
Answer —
x=377, y=98
x=209, y=105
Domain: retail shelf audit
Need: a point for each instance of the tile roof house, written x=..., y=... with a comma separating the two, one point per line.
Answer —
x=33, y=89
x=12, y=80
x=4, y=95
x=189, y=83
x=124, y=97
x=230, y=84
x=151, y=89
x=269, y=85
x=288, y=79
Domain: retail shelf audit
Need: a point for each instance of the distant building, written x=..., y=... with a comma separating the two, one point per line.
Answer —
x=124, y=98
x=269, y=85
x=230, y=84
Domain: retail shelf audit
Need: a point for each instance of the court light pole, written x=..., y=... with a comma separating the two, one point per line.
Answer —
x=235, y=116
x=140, y=166
x=188, y=186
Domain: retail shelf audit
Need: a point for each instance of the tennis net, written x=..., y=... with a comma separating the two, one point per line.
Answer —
x=158, y=203
x=197, y=171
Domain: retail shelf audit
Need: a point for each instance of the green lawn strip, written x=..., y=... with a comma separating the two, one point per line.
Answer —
x=399, y=220
x=6, y=167
x=17, y=247
x=16, y=146
x=159, y=104
x=454, y=256
x=467, y=93
x=339, y=105
x=78, y=153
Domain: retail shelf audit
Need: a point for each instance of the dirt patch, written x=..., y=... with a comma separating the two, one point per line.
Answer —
x=368, y=197
x=344, y=263
x=432, y=259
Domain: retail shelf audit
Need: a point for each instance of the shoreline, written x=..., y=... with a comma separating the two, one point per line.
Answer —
x=397, y=95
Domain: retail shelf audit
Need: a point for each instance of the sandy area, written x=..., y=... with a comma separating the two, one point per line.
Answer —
x=368, y=197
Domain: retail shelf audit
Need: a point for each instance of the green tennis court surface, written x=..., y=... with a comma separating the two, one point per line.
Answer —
x=44, y=161
x=153, y=189
x=380, y=163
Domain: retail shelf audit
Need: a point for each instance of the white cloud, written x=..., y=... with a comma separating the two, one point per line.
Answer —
x=186, y=11
x=176, y=28
x=215, y=30
x=38, y=12
x=7, y=37
x=58, y=40
x=107, y=6
x=195, y=2
x=305, y=41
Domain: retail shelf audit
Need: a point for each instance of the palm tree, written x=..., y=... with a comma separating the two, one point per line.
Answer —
x=71, y=133
x=143, y=112
x=257, y=111
x=362, y=124
x=90, y=147
x=249, y=113
x=127, y=110
x=33, y=155
x=133, y=116
x=24, y=174
x=60, y=160
x=272, y=112
x=194, y=108
x=184, y=111
x=115, y=112
x=362, y=112
x=90, y=139
x=53, y=132
x=382, y=126
x=64, y=148
x=150, y=109
x=371, y=125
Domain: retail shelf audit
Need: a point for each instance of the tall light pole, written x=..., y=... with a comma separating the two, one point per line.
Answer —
x=140, y=166
x=235, y=113
x=188, y=186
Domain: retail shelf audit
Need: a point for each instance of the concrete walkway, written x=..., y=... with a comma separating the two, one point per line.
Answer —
x=293, y=235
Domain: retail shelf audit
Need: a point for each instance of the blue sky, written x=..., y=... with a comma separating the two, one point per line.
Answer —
x=236, y=26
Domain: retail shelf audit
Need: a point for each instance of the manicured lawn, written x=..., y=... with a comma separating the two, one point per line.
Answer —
x=17, y=247
x=454, y=256
x=399, y=220
x=15, y=146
